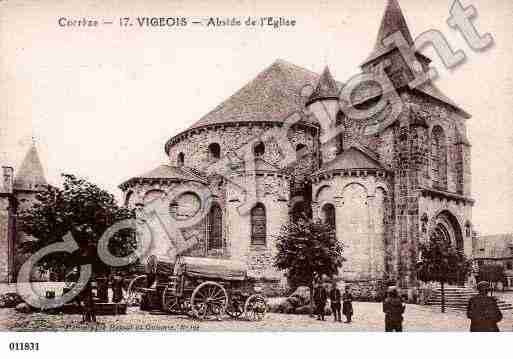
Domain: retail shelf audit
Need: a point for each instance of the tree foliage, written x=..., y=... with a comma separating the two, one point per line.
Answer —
x=307, y=249
x=441, y=262
x=492, y=273
x=83, y=209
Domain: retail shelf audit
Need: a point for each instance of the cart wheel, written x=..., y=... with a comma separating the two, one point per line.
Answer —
x=209, y=299
x=134, y=291
x=255, y=307
x=170, y=302
x=235, y=309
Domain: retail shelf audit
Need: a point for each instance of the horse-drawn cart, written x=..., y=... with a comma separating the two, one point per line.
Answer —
x=199, y=287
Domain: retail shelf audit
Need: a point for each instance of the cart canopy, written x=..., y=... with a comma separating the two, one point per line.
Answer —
x=213, y=268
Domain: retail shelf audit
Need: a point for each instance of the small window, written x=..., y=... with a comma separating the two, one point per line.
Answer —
x=258, y=225
x=180, y=159
x=214, y=151
x=259, y=149
x=509, y=265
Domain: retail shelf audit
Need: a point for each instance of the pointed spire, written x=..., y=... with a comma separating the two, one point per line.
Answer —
x=326, y=88
x=393, y=20
x=30, y=176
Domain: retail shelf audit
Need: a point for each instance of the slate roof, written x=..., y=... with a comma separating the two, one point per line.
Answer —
x=167, y=172
x=352, y=158
x=30, y=175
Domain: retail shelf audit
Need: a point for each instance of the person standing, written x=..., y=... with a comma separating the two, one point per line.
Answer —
x=335, y=298
x=320, y=299
x=393, y=308
x=117, y=288
x=347, y=306
x=483, y=311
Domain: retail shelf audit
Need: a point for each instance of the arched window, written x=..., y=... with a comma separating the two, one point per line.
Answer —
x=180, y=159
x=299, y=147
x=214, y=151
x=258, y=225
x=259, y=149
x=328, y=214
x=438, y=158
x=215, y=227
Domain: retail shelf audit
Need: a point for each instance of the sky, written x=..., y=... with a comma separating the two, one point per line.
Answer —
x=101, y=102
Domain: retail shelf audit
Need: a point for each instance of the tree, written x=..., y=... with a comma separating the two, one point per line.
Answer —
x=492, y=273
x=307, y=250
x=85, y=210
x=443, y=263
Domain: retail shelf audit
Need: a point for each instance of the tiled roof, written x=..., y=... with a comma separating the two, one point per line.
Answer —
x=31, y=175
x=273, y=95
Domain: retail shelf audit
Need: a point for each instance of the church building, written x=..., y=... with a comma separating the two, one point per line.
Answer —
x=384, y=192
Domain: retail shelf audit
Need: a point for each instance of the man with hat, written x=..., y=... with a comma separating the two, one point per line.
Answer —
x=393, y=308
x=483, y=311
x=335, y=297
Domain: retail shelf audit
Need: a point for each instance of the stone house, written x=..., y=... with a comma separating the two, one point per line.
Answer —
x=495, y=249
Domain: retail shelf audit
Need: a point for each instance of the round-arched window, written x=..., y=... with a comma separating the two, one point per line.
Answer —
x=259, y=149
x=214, y=151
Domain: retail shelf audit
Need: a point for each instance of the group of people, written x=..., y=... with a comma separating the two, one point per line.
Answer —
x=91, y=294
x=482, y=310
x=338, y=301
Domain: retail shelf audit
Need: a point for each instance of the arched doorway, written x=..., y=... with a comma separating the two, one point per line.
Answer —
x=447, y=228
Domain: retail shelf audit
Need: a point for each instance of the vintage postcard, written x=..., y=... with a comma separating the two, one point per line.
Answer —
x=287, y=165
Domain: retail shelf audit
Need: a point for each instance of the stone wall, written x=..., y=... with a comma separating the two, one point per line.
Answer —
x=272, y=191
x=4, y=239
x=233, y=141
x=361, y=216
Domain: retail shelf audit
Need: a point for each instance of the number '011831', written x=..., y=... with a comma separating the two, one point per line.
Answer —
x=22, y=346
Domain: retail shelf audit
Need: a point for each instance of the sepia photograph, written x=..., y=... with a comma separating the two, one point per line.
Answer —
x=255, y=166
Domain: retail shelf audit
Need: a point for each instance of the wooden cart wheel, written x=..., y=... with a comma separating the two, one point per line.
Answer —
x=170, y=302
x=255, y=307
x=209, y=299
x=134, y=291
x=235, y=309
